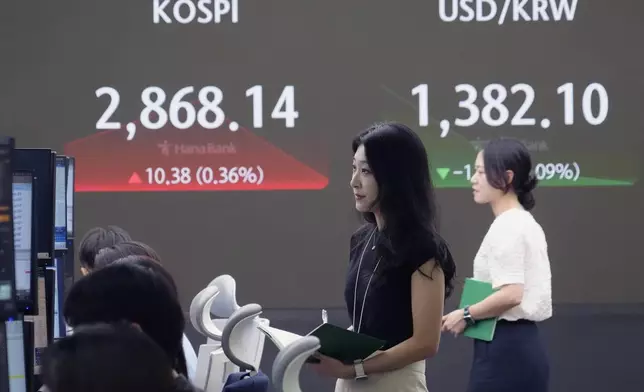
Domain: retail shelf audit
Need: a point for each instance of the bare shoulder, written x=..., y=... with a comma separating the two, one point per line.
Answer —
x=430, y=269
x=428, y=281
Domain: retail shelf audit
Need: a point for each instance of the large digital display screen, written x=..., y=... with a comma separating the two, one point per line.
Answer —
x=22, y=229
x=219, y=131
x=234, y=119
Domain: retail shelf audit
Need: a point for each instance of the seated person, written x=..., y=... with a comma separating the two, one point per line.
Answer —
x=139, y=292
x=110, y=254
x=123, y=250
x=95, y=240
x=106, y=358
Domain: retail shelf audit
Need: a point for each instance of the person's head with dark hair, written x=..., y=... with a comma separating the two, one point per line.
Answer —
x=96, y=239
x=135, y=291
x=151, y=265
x=503, y=175
x=113, y=253
x=143, y=255
x=393, y=189
x=106, y=358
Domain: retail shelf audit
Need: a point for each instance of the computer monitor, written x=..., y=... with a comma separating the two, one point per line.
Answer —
x=60, y=211
x=68, y=271
x=8, y=309
x=24, y=233
x=57, y=273
x=41, y=162
x=71, y=188
x=16, y=364
x=7, y=273
x=60, y=297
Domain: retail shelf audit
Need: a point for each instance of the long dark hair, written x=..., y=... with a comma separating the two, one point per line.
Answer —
x=506, y=154
x=406, y=200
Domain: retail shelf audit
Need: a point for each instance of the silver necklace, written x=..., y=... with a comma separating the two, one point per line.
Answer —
x=355, y=290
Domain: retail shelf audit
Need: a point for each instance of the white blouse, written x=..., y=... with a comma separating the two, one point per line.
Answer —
x=515, y=251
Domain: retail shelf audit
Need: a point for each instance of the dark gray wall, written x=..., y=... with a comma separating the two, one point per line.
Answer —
x=288, y=249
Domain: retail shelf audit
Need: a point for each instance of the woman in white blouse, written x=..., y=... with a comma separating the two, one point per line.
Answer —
x=514, y=258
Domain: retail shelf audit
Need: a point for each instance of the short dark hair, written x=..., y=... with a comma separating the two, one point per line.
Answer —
x=98, y=238
x=153, y=266
x=113, y=253
x=507, y=154
x=406, y=199
x=145, y=257
x=106, y=358
x=134, y=293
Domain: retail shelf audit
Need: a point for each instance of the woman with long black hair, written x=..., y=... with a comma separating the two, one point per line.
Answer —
x=400, y=269
x=514, y=259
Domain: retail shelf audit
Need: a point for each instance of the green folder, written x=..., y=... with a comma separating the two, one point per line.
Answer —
x=344, y=345
x=475, y=291
x=336, y=342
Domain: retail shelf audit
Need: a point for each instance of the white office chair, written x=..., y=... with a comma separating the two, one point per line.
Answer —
x=241, y=340
x=219, y=298
x=206, y=326
x=200, y=315
x=226, y=303
x=289, y=362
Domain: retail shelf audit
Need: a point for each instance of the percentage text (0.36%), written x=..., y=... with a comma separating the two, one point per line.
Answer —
x=204, y=175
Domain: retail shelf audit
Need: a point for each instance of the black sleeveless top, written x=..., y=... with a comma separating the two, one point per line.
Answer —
x=387, y=311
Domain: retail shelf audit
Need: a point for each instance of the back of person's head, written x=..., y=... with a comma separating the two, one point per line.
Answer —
x=152, y=266
x=96, y=239
x=144, y=256
x=406, y=199
x=106, y=358
x=127, y=291
x=121, y=250
x=504, y=155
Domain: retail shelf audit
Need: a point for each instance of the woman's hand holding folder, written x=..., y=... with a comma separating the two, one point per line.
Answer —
x=331, y=367
x=454, y=322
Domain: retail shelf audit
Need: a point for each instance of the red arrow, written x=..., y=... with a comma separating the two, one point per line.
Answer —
x=134, y=179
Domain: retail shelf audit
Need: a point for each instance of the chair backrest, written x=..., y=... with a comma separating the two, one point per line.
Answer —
x=240, y=325
x=200, y=313
x=289, y=362
x=226, y=303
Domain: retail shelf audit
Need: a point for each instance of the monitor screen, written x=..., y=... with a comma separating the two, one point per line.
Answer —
x=70, y=197
x=60, y=213
x=16, y=356
x=22, y=233
x=40, y=162
x=61, y=265
x=7, y=275
x=57, y=269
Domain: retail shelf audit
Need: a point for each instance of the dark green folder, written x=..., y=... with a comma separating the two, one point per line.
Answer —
x=344, y=345
x=475, y=291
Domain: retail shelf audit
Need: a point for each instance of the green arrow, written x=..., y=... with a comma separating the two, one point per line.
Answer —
x=443, y=172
